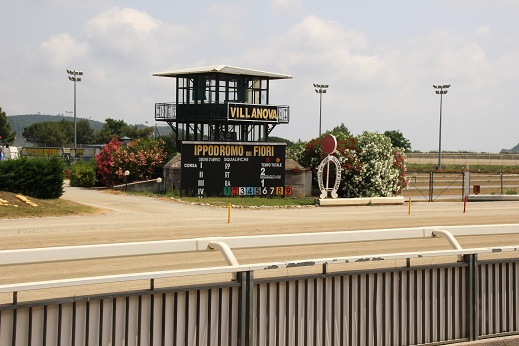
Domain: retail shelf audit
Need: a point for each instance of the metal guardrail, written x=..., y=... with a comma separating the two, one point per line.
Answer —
x=430, y=304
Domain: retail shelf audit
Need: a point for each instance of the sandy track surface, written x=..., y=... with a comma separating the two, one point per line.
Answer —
x=136, y=218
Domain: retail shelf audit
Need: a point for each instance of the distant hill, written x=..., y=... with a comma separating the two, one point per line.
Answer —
x=513, y=150
x=20, y=122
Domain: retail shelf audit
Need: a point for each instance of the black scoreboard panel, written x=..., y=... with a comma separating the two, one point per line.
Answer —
x=233, y=169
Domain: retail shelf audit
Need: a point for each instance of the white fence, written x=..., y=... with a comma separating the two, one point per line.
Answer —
x=462, y=299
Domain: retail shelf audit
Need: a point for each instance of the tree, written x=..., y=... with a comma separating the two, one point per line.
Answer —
x=68, y=129
x=342, y=129
x=7, y=135
x=85, y=132
x=120, y=128
x=134, y=132
x=170, y=145
x=274, y=139
x=111, y=128
x=47, y=133
x=398, y=140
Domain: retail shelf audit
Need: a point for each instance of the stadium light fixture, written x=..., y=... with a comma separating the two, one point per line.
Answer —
x=440, y=90
x=73, y=77
x=320, y=89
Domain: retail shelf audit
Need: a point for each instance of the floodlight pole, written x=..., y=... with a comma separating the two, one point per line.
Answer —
x=320, y=89
x=440, y=91
x=73, y=77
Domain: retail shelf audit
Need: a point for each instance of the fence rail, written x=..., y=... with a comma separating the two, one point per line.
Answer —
x=505, y=159
x=409, y=304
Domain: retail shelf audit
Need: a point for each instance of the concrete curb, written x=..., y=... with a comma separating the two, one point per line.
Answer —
x=489, y=198
x=334, y=202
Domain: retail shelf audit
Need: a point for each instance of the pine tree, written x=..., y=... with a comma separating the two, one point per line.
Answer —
x=6, y=133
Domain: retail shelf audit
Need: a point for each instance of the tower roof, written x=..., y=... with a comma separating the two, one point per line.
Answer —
x=223, y=69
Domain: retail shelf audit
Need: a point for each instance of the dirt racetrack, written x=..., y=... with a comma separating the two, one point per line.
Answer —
x=136, y=218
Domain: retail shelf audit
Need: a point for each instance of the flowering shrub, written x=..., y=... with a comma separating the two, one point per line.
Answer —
x=399, y=164
x=105, y=165
x=377, y=176
x=142, y=158
x=370, y=165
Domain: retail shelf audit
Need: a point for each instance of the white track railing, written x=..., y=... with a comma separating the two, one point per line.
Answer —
x=226, y=244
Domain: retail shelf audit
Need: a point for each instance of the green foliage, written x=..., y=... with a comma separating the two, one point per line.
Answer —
x=46, y=133
x=6, y=133
x=62, y=131
x=20, y=122
x=85, y=132
x=274, y=139
x=170, y=145
x=83, y=174
x=118, y=128
x=38, y=177
x=340, y=130
x=398, y=140
x=57, y=134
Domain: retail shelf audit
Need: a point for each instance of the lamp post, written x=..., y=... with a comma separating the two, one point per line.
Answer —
x=73, y=76
x=159, y=180
x=440, y=90
x=126, y=174
x=320, y=89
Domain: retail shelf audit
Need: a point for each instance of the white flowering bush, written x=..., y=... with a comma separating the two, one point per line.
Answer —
x=371, y=166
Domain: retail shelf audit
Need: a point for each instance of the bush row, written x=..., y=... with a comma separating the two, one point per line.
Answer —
x=36, y=177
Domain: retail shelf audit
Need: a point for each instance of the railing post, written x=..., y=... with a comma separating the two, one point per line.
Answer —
x=246, y=314
x=464, y=187
x=472, y=298
x=501, y=174
x=431, y=183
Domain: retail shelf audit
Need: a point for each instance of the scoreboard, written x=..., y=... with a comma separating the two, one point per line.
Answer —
x=233, y=169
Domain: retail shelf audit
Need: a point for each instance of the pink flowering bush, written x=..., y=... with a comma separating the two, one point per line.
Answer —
x=143, y=158
x=105, y=165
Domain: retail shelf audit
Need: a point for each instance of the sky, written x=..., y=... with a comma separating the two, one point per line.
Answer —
x=380, y=59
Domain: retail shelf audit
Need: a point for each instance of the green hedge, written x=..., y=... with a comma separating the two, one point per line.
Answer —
x=83, y=174
x=36, y=177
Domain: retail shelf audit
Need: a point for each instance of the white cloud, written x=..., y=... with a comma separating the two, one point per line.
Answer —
x=127, y=19
x=483, y=31
x=62, y=48
x=121, y=30
x=287, y=7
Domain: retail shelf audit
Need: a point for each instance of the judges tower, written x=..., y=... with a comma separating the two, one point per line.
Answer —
x=222, y=104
